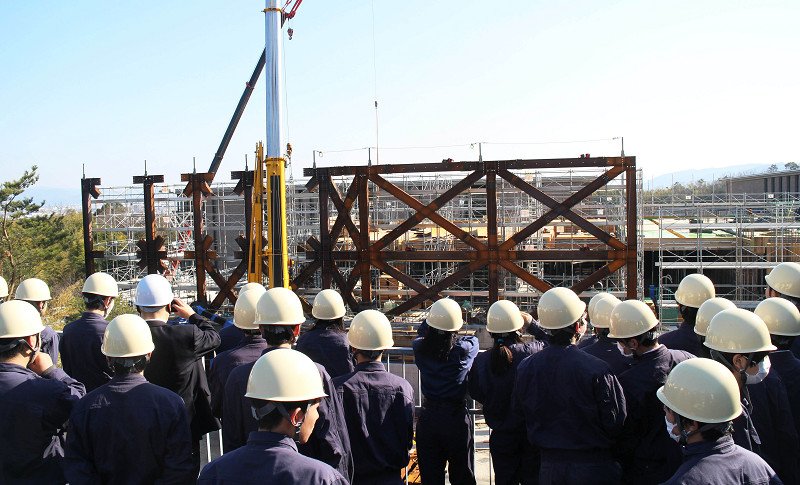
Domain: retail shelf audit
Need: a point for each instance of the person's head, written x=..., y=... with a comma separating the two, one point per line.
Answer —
x=633, y=326
x=153, y=297
x=782, y=320
x=284, y=389
x=593, y=302
x=252, y=286
x=709, y=310
x=444, y=320
x=740, y=341
x=369, y=335
x=700, y=399
x=328, y=310
x=3, y=289
x=279, y=314
x=600, y=315
x=503, y=322
x=563, y=314
x=34, y=291
x=127, y=344
x=244, y=311
x=20, y=329
x=692, y=291
x=784, y=282
x=99, y=291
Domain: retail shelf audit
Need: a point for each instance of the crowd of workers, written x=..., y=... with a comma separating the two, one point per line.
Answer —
x=716, y=401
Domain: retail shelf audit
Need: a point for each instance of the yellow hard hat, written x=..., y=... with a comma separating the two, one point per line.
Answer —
x=285, y=375
x=3, y=287
x=602, y=312
x=785, y=279
x=780, y=315
x=244, y=312
x=593, y=301
x=279, y=306
x=127, y=336
x=328, y=305
x=445, y=315
x=702, y=390
x=33, y=289
x=559, y=308
x=738, y=331
x=694, y=289
x=370, y=330
x=503, y=317
x=631, y=318
x=708, y=310
x=252, y=286
x=101, y=284
x=19, y=319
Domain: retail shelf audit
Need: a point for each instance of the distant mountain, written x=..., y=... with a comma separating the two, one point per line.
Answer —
x=55, y=196
x=707, y=174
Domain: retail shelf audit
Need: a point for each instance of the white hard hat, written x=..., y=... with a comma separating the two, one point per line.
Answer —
x=702, y=390
x=19, y=319
x=631, y=318
x=285, y=375
x=593, y=301
x=694, y=289
x=602, y=312
x=154, y=291
x=559, y=308
x=279, y=306
x=708, y=310
x=32, y=289
x=244, y=312
x=370, y=330
x=3, y=287
x=445, y=315
x=328, y=305
x=785, y=279
x=780, y=315
x=738, y=331
x=252, y=286
x=503, y=317
x=127, y=336
x=101, y=284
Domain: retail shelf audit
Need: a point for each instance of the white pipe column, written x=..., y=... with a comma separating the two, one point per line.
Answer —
x=274, y=81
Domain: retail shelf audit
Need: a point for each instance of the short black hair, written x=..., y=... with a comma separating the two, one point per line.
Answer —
x=712, y=434
x=276, y=335
x=368, y=354
x=689, y=313
x=561, y=336
x=647, y=339
x=783, y=342
x=13, y=351
x=127, y=365
x=275, y=417
x=94, y=302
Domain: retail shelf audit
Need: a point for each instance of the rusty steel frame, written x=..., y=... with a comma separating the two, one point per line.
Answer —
x=492, y=254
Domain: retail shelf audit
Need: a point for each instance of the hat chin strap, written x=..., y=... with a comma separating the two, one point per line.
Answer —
x=260, y=412
x=721, y=427
x=743, y=390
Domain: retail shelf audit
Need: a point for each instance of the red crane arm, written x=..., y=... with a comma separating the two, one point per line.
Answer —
x=290, y=13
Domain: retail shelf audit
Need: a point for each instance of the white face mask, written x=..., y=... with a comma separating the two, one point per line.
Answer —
x=670, y=430
x=763, y=370
x=622, y=350
x=108, y=309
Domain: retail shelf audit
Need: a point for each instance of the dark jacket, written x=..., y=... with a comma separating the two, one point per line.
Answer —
x=606, y=350
x=268, y=458
x=33, y=416
x=683, y=338
x=248, y=351
x=787, y=367
x=379, y=412
x=50, y=342
x=446, y=381
x=129, y=431
x=230, y=336
x=81, y=356
x=177, y=364
x=570, y=400
x=722, y=462
x=327, y=346
x=647, y=454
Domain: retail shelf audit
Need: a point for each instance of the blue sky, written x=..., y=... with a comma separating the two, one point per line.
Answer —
x=688, y=84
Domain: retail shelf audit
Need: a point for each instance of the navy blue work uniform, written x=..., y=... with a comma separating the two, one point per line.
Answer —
x=268, y=458
x=683, y=338
x=722, y=462
x=177, y=364
x=230, y=336
x=444, y=427
x=33, y=416
x=646, y=452
x=329, y=442
x=787, y=367
x=379, y=412
x=81, y=356
x=50, y=343
x=514, y=459
x=744, y=432
x=772, y=418
x=249, y=350
x=796, y=348
x=587, y=341
x=129, y=432
x=606, y=350
x=328, y=346
x=574, y=409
